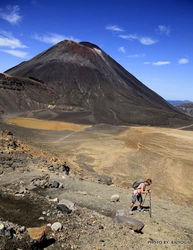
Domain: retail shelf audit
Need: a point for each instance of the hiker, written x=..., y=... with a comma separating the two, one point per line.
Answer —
x=139, y=189
x=66, y=168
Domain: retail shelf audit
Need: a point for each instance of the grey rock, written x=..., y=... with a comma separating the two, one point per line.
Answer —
x=22, y=190
x=51, y=168
x=55, y=184
x=61, y=185
x=9, y=232
x=30, y=187
x=115, y=198
x=19, y=195
x=64, y=209
x=104, y=179
x=22, y=229
x=41, y=218
x=2, y=228
x=53, y=200
x=36, y=183
x=67, y=203
x=13, y=144
x=57, y=226
x=132, y=223
x=41, y=181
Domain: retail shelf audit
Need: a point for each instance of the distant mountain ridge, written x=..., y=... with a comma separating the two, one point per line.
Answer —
x=186, y=108
x=178, y=102
x=82, y=76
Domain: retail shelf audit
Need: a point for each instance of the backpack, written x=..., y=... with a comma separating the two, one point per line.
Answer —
x=137, y=183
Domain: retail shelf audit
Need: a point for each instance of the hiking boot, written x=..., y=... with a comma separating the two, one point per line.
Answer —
x=139, y=209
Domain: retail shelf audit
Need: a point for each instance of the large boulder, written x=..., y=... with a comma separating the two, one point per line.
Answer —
x=37, y=233
x=64, y=209
x=70, y=205
x=104, y=179
x=130, y=222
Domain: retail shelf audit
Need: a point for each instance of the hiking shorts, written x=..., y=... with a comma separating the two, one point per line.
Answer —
x=137, y=197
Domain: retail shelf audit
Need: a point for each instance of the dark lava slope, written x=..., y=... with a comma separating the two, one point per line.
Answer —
x=83, y=76
x=19, y=94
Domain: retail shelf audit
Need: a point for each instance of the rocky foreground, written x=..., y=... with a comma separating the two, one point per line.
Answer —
x=42, y=207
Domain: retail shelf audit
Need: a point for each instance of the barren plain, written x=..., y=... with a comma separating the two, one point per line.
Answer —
x=125, y=153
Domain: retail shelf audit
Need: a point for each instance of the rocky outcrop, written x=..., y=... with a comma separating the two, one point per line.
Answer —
x=22, y=94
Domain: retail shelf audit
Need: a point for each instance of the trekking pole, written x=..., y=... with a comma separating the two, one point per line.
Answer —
x=150, y=205
x=144, y=199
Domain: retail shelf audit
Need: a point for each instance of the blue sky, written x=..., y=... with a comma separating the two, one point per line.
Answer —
x=153, y=40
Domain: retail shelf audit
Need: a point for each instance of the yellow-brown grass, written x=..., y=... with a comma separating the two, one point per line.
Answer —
x=44, y=124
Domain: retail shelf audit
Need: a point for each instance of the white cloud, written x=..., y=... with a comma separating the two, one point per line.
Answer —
x=164, y=30
x=161, y=63
x=114, y=28
x=17, y=53
x=121, y=49
x=147, y=40
x=8, y=40
x=183, y=61
x=158, y=63
x=129, y=37
x=53, y=38
x=136, y=55
x=11, y=14
x=143, y=40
